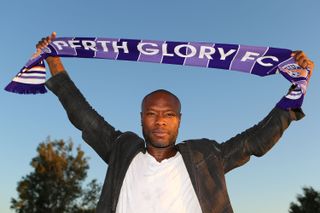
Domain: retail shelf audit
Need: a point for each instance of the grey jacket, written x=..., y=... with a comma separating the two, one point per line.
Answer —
x=206, y=160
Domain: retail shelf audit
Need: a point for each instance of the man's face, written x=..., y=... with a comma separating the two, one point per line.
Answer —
x=160, y=118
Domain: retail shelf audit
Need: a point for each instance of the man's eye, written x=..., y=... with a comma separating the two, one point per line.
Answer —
x=171, y=114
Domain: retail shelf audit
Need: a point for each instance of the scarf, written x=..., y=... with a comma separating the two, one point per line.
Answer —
x=261, y=61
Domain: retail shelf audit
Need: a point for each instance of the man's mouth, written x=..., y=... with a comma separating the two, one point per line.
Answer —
x=159, y=132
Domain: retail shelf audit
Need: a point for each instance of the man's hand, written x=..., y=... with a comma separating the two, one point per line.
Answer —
x=303, y=61
x=54, y=63
x=297, y=91
x=44, y=43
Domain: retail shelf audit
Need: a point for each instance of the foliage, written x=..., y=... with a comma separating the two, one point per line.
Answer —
x=307, y=203
x=55, y=184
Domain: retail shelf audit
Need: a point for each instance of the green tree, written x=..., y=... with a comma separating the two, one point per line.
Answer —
x=309, y=202
x=56, y=182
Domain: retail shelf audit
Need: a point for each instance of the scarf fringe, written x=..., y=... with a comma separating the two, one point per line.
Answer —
x=22, y=88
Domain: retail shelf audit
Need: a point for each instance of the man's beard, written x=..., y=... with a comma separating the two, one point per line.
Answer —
x=158, y=144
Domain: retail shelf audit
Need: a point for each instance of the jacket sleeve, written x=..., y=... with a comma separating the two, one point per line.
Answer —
x=258, y=139
x=98, y=133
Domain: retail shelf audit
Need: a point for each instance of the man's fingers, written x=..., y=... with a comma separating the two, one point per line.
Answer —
x=53, y=35
x=40, y=43
x=311, y=64
x=299, y=56
x=47, y=40
x=44, y=42
x=294, y=53
x=304, y=63
x=302, y=59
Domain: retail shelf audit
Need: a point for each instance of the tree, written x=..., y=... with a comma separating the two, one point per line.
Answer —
x=307, y=203
x=55, y=184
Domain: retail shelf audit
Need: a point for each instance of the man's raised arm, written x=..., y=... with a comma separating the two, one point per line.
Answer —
x=260, y=138
x=99, y=134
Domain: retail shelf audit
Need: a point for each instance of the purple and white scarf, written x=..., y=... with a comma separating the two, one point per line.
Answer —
x=261, y=61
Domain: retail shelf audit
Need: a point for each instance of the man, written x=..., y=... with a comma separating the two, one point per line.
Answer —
x=155, y=174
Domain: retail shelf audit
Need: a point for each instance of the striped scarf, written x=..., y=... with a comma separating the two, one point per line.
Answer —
x=261, y=61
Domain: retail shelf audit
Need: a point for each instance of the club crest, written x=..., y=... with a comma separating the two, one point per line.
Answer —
x=295, y=71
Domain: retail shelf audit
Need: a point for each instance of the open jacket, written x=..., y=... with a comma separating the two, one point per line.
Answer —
x=206, y=160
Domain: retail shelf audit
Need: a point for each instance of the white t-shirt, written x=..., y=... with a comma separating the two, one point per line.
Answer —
x=157, y=187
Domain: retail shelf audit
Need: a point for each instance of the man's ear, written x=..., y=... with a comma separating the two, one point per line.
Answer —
x=141, y=123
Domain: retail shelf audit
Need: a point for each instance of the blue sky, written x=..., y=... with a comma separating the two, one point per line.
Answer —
x=215, y=104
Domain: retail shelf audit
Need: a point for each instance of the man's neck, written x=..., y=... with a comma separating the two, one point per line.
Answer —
x=161, y=153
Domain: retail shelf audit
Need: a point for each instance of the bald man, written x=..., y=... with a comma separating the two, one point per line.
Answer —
x=155, y=174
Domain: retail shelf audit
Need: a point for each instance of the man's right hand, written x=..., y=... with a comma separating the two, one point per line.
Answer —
x=54, y=63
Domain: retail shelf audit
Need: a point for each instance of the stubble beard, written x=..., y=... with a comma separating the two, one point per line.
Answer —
x=158, y=144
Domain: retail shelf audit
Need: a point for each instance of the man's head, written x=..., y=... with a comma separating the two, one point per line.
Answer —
x=160, y=118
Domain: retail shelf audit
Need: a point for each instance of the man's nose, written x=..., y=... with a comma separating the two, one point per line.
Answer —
x=160, y=120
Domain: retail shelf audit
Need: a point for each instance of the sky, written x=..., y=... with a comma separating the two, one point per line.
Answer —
x=216, y=104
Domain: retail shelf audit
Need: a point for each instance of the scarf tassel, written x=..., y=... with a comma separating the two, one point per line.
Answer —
x=22, y=88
